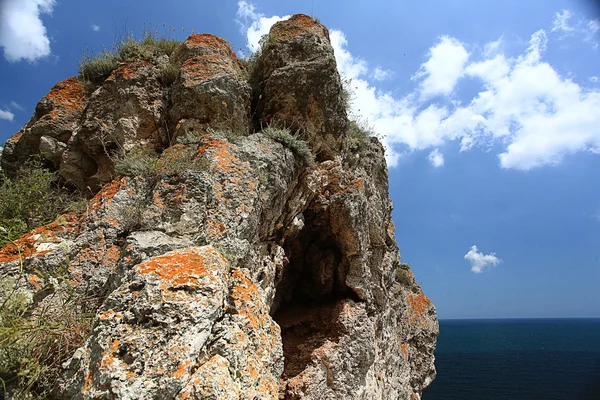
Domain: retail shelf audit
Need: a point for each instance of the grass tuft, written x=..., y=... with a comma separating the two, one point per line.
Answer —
x=97, y=67
x=34, y=343
x=137, y=162
x=298, y=146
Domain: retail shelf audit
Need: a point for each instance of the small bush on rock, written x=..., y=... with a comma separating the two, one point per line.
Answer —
x=168, y=73
x=31, y=199
x=96, y=68
x=138, y=161
x=404, y=276
x=298, y=146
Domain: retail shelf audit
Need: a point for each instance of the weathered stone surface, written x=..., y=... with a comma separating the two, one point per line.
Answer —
x=52, y=149
x=299, y=84
x=210, y=88
x=244, y=276
x=125, y=112
x=56, y=116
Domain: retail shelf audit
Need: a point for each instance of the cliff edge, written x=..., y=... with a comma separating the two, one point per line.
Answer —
x=251, y=255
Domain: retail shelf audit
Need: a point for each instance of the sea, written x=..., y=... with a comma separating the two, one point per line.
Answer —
x=517, y=359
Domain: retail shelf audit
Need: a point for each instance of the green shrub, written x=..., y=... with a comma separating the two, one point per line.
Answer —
x=96, y=68
x=404, y=276
x=30, y=200
x=348, y=95
x=249, y=61
x=192, y=137
x=11, y=229
x=34, y=343
x=231, y=136
x=179, y=158
x=298, y=146
x=356, y=137
x=168, y=73
x=166, y=46
x=137, y=162
x=146, y=163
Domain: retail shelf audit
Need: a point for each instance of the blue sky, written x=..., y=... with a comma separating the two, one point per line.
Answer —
x=490, y=112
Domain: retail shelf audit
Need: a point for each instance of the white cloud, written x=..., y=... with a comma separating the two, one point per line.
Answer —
x=16, y=106
x=7, y=115
x=593, y=79
x=436, y=158
x=95, y=27
x=348, y=65
x=524, y=106
x=561, y=22
x=380, y=74
x=479, y=261
x=253, y=24
x=443, y=69
x=22, y=32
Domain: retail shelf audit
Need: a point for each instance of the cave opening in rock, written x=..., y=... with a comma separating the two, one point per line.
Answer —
x=308, y=296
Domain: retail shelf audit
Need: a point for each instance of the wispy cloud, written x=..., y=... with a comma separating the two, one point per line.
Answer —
x=6, y=115
x=561, y=22
x=22, y=33
x=566, y=24
x=479, y=261
x=16, y=106
x=95, y=28
x=436, y=158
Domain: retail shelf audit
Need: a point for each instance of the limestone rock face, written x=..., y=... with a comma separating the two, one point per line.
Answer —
x=248, y=276
x=210, y=89
x=300, y=86
x=126, y=111
x=56, y=117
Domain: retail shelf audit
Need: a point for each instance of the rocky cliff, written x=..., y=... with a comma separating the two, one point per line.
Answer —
x=257, y=271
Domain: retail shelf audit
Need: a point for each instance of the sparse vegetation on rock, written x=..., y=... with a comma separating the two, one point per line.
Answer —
x=31, y=199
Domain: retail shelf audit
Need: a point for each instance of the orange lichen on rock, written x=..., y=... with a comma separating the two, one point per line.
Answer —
x=201, y=68
x=216, y=229
x=247, y=298
x=25, y=246
x=130, y=70
x=69, y=94
x=105, y=195
x=108, y=357
x=404, y=348
x=110, y=314
x=208, y=41
x=111, y=257
x=418, y=305
x=356, y=185
x=35, y=281
x=181, y=269
x=182, y=369
x=296, y=25
x=14, y=138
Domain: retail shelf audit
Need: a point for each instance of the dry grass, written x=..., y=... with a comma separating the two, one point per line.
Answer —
x=35, y=342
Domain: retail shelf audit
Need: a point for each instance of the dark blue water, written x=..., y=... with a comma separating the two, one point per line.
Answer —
x=540, y=359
